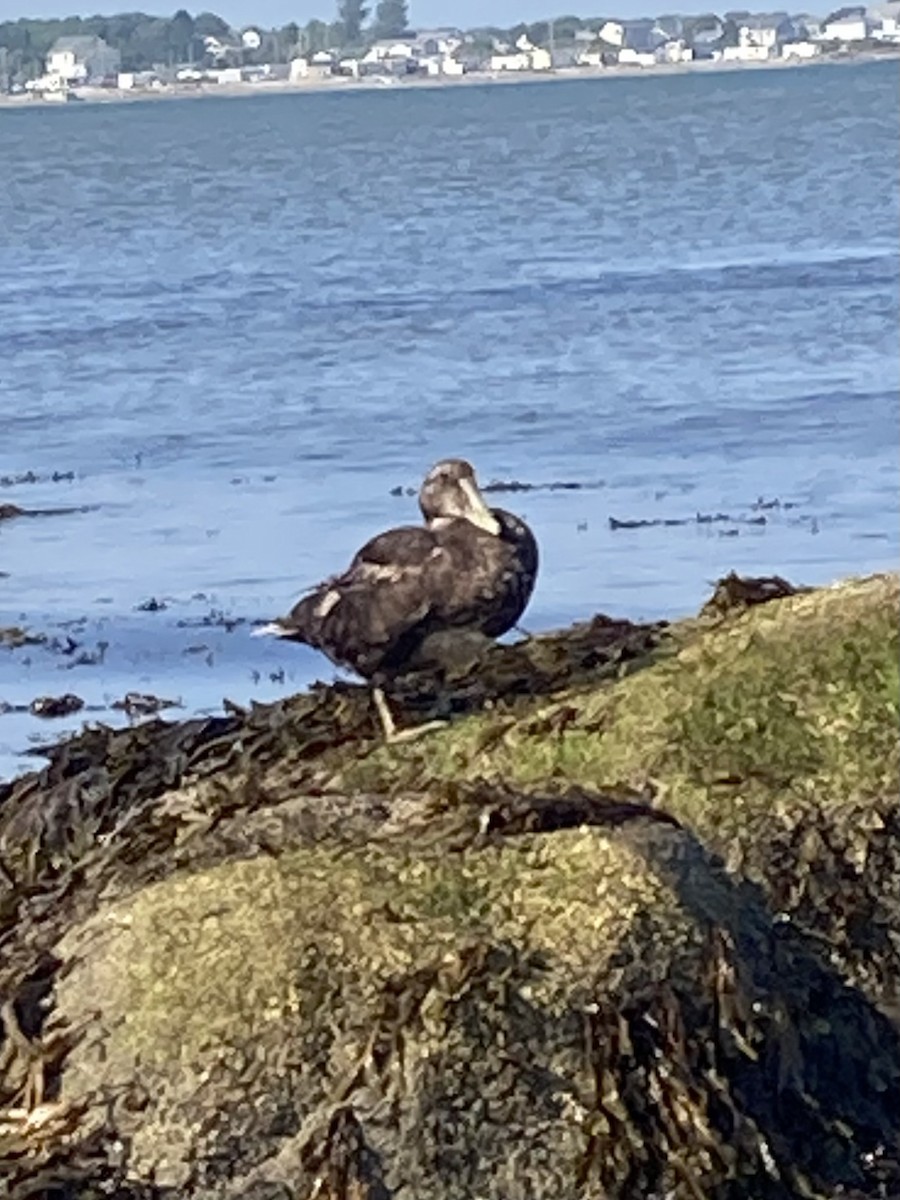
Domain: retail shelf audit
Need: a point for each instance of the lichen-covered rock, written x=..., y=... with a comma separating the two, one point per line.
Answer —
x=636, y=935
x=574, y=1012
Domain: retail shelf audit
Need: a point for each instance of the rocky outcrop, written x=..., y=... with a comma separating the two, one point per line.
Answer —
x=627, y=927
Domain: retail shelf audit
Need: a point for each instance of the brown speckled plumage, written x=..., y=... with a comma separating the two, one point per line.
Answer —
x=468, y=568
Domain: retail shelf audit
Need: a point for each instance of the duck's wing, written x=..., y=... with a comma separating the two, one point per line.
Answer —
x=371, y=617
x=407, y=546
x=517, y=568
x=492, y=576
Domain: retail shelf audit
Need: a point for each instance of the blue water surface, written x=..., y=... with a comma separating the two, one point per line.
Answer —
x=242, y=323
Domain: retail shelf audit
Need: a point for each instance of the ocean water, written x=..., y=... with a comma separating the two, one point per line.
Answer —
x=240, y=324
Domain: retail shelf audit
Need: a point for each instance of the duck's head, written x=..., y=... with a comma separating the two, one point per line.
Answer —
x=451, y=490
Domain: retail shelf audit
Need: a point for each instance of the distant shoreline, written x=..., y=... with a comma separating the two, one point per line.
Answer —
x=344, y=84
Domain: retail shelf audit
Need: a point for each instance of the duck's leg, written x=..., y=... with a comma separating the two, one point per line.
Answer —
x=391, y=734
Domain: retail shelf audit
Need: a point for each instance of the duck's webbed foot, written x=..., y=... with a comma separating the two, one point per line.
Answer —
x=393, y=735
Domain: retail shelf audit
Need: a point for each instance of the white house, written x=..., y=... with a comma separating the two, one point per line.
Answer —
x=220, y=52
x=849, y=25
x=758, y=33
x=388, y=48
x=746, y=53
x=510, y=62
x=800, y=50
x=636, y=58
x=612, y=32
x=78, y=59
x=436, y=43
x=676, y=51
x=435, y=65
x=526, y=58
x=251, y=39
x=765, y=33
x=320, y=65
x=885, y=21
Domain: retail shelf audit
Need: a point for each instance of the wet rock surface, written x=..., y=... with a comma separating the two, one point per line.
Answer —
x=262, y=955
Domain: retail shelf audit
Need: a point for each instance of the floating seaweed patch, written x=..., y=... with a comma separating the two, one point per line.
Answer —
x=9, y=511
x=698, y=519
x=517, y=485
x=56, y=706
x=735, y=591
x=13, y=636
x=212, y=620
x=151, y=605
x=34, y=477
x=143, y=704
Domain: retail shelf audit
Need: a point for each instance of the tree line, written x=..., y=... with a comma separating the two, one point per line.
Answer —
x=145, y=41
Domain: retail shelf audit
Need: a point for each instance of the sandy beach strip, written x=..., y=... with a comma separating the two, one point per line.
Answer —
x=338, y=83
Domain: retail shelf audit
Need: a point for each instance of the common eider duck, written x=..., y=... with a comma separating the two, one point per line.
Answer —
x=412, y=591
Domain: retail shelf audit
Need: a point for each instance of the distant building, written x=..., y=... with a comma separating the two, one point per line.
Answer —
x=707, y=37
x=436, y=43
x=251, y=39
x=641, y=36
x=636, y=58
x=221, y=53
x=564, y=58
x=612, y=33
x=510, y=62
x=320, y=65
x=79, y=59
x=591, y=58
x=800, y=50
x=129, y=81
x=676, y=51
x=671, y=29
x=884, y=20
x=759, y=36
x=389, y=48
x=436, y=65
x=525, y=58
x=808, y=26
x=847, y=25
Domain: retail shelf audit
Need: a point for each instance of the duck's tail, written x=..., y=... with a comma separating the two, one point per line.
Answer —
x=272, y=629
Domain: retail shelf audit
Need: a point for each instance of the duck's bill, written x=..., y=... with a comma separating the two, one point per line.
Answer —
x=476, y=510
